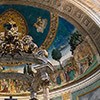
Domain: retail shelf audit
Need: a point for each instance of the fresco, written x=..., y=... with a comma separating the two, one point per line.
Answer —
x=57, y=98
x=13, y=86
x=69, y=51
x=93, y=95
x=30, y=15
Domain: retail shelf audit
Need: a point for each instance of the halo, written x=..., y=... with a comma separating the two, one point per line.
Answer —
x=15, y=16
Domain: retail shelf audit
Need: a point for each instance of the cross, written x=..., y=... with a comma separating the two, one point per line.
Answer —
x=10, y=98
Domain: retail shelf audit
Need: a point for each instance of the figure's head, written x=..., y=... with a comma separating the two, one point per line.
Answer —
x=27, y=39
x=11, y=26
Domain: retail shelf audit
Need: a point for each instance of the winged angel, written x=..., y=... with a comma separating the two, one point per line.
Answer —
x=40, y=25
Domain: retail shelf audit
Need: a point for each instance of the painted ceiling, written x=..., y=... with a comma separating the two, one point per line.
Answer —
x=49, y=31
x=54, y=33
x=31, y=15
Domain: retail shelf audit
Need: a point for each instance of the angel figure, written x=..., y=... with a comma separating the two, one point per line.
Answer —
x=40, y=25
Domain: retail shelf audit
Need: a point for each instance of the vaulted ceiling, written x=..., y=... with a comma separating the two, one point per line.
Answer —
x=84, y=14
x=60, y=18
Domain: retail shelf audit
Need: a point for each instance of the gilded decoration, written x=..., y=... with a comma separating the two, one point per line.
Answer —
x=14, y=16
x=52, y=32
x=66, y=95
x=17, y=17
x=13, y=86
x=18, y=32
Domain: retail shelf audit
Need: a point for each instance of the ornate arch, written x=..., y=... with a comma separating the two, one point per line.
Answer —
x=79, y=18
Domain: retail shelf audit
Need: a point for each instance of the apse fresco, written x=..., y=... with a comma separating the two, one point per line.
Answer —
x=75, y=54
x=13, y=86
x=31, y=16
x=69, y=51
x=91, y=95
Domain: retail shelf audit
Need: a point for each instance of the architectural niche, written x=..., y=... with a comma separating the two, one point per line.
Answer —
x=85, y=21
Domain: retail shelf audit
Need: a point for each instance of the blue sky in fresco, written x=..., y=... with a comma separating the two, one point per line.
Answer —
x=63, y=33
x=65, y=29
x=31, y=14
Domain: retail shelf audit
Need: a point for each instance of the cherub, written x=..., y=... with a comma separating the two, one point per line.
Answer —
x=29, y=46
x=40, y=25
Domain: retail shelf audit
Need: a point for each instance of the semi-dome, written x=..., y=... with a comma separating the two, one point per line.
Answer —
x=49, y=48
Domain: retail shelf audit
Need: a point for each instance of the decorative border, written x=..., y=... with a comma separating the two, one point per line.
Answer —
x=16, y=94
x=52, y=32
